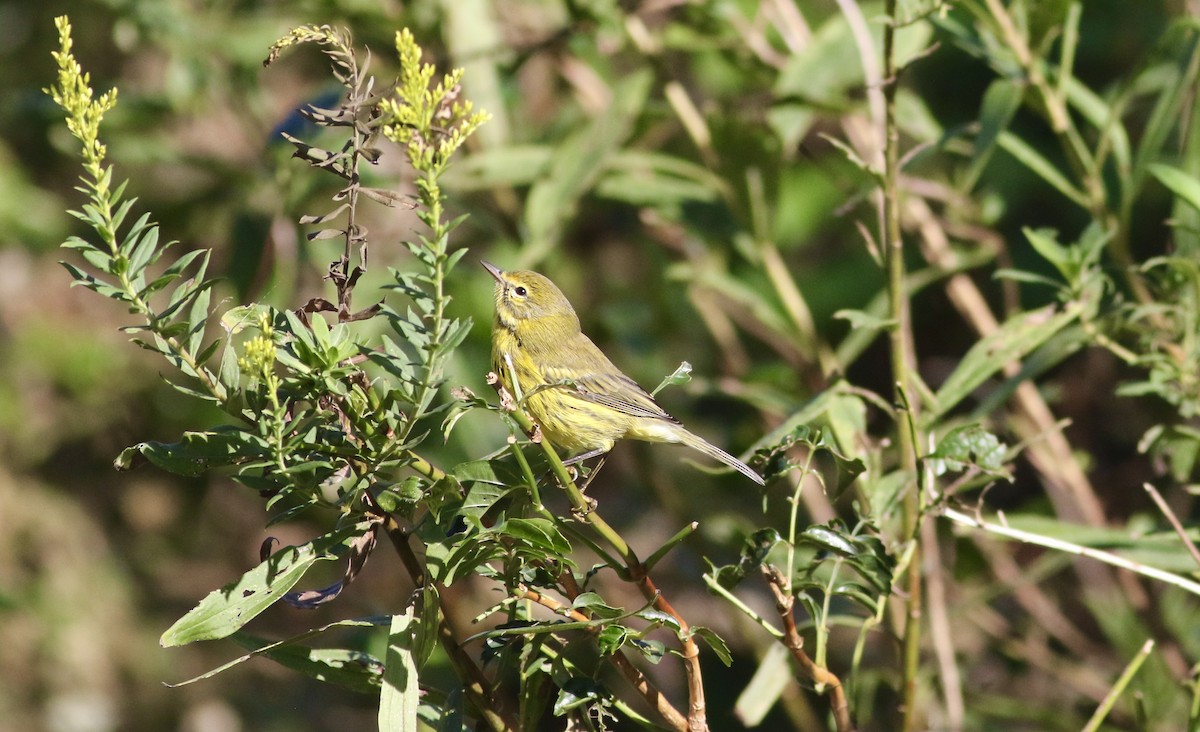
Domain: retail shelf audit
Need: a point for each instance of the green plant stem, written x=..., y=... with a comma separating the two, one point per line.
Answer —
x=793, y=520
x=530, y=479
x=1115, y=692
x=902, y=361
x=581, y=505
x=424, y=467
x=431, y=195
x=716, y=588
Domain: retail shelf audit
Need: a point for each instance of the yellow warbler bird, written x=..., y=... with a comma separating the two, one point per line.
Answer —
x=582, y=402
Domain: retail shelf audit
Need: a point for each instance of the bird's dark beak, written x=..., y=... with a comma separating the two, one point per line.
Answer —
x=493, y=270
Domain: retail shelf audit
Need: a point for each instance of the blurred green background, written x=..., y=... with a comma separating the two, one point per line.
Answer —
x=94, y=565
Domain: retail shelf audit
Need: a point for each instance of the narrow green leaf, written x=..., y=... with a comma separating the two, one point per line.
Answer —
x=578, y=162
x=195, y=453
x=1000, y=103
x=715, y=642
x=144, y=249
x=826, y=538
x=510, y=165
x=766, y=686
x=226, y=610
x=540, y=533
x=400, y=694
x=1042, y=167
x=353, y=670
x=1183, y=185
x=1017, y=337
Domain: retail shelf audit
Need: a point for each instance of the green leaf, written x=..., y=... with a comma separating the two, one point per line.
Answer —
x=1000, y=103
x=755, y=549
x=226, y=610
x=450, y=558
x=828, y=539
x=1043, y=168
x=400, y=695
x=196, y=452
x=539, y=533
x=865, y=553
x=487, y=487
x=715, y=642
x=237, y=319
x=578, y=692
x=145, y=248
x=512, y=165
x=778, y=458
x=578, y=162
x=766, y=686
x=1017, y=337
x=1103, y=117
x=652, y=650
x=401, y=497
x=611, y=638
x=348, y=668
x=639, y=178
x=969, y=445
x=1183, y=185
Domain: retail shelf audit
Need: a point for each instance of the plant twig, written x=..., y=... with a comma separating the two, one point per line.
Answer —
x=795, y=644
x=632, y=673
x=1119, y=687
x=697, y=708
x=1115, y=560
x=1173, y=520
x=903, y=360
x=939, y=628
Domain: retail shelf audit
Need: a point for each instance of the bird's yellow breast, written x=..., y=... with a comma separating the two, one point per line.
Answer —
x=568, y=421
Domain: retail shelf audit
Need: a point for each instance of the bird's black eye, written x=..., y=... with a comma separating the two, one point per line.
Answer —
x=520, y=291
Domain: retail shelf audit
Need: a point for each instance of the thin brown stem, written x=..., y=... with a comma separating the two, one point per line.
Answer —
x=795, y=644
x=1173, y=520
x=697, y=708
x=632, y=673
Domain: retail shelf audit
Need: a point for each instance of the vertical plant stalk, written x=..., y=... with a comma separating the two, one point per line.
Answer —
x=903, y=359
x=697, y=717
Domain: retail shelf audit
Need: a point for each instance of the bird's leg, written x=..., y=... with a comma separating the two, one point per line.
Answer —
x=588, y=456
x=583, y=488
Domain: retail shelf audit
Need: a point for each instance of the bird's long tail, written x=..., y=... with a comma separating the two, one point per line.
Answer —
x=699, y=443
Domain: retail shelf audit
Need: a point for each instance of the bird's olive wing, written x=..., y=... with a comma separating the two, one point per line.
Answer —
x=614, y=390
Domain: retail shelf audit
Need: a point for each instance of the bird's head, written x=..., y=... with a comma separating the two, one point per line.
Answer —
x=524, y=298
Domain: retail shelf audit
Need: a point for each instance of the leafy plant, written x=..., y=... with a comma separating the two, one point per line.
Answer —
x=876, y=544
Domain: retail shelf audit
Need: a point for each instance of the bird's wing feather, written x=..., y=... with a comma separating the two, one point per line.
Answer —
x=598, y=381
